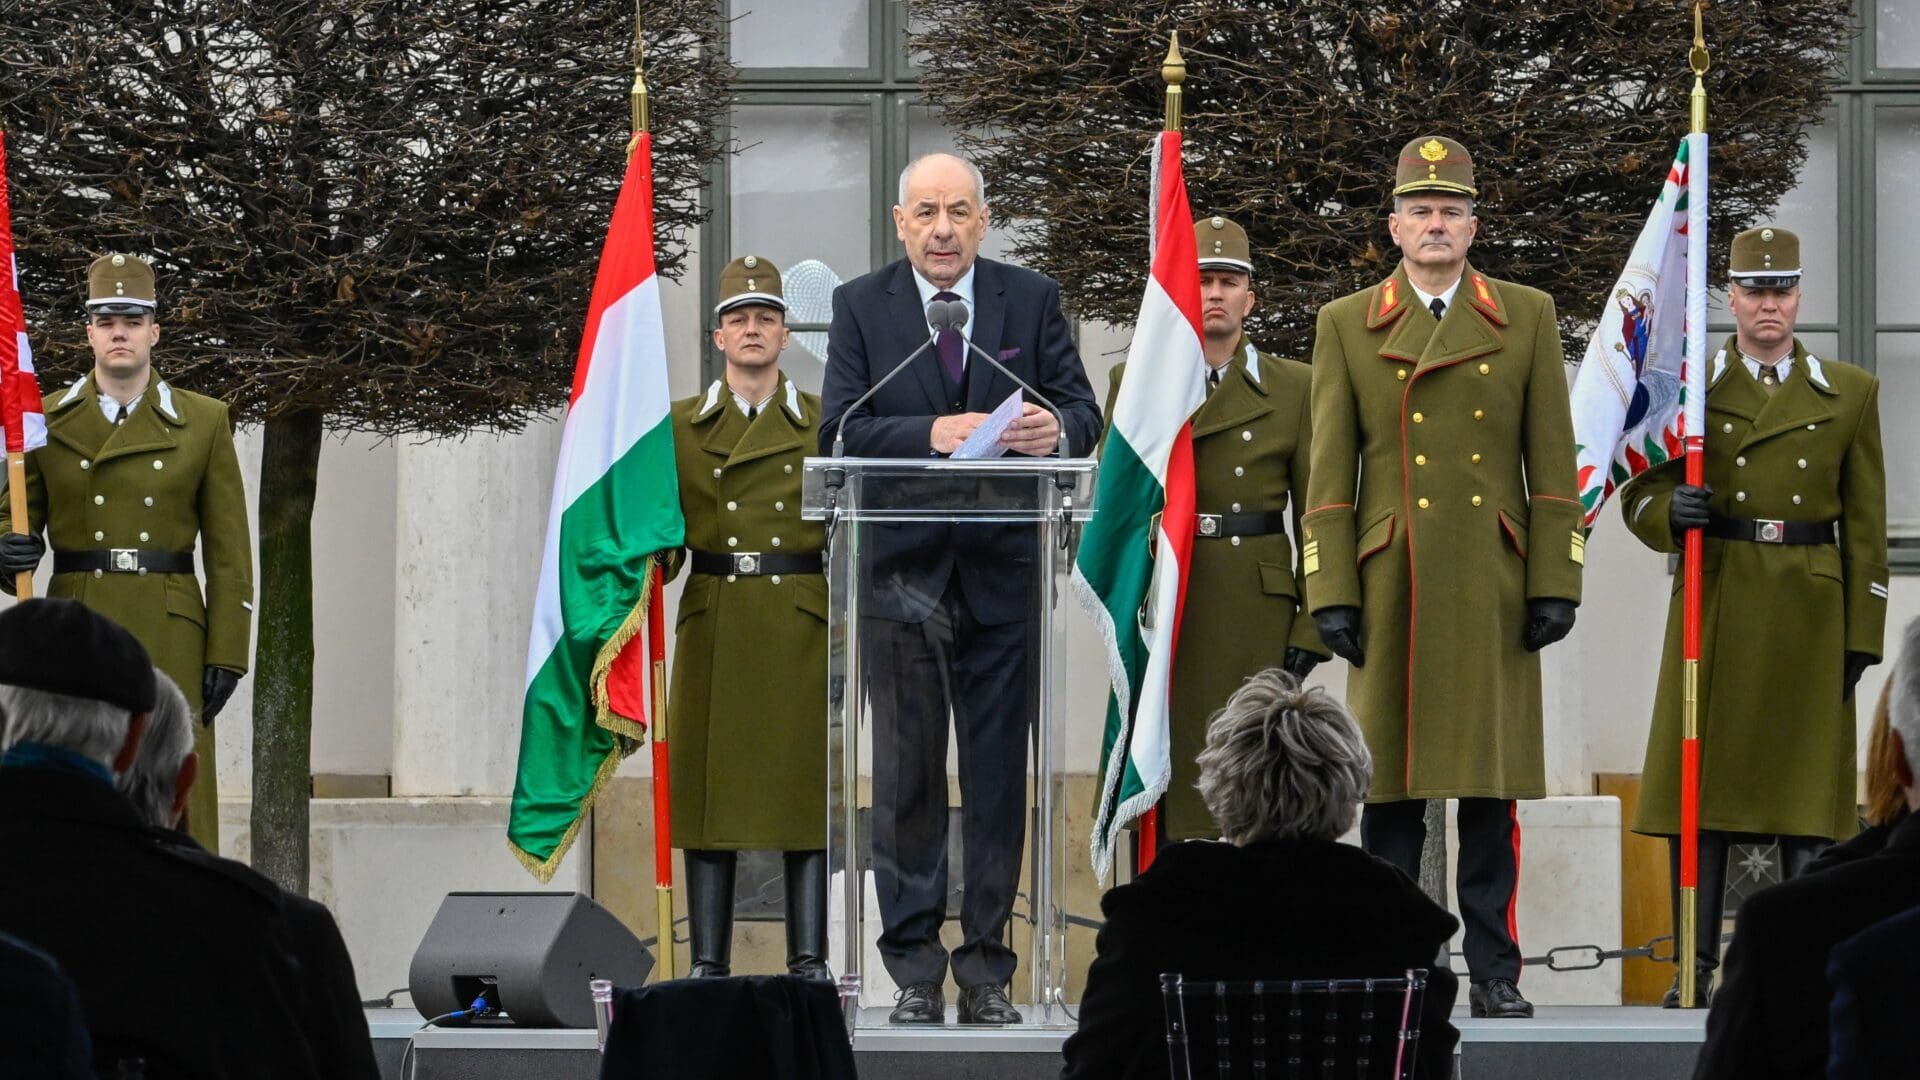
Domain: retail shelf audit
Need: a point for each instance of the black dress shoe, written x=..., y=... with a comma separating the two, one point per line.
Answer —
x=810, y=968
x=919, y=1003
x=986, y=1005
x=706, y=969
x=1498, y=999
x=1702, y=990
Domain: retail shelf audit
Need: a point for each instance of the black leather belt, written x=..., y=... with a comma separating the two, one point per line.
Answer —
x=1221, y=526
x=1763, y=531
x=123, y=561
x=755, y=562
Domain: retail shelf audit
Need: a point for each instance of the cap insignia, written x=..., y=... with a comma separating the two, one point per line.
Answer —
x=750, y=262
x=119, y=260
x=1433, y=150
x=1218, y=222
x=1766, y=235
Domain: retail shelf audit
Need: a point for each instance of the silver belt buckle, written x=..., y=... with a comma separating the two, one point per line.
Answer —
x=745, y=562
x=1770, y=532
x=124, y=560
x=1209, y=524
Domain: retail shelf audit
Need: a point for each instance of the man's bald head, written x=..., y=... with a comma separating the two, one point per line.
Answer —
x=942, y=216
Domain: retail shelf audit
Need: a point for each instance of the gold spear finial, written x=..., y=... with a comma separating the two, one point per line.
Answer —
x=1174, y=70
x=640, y=117
x=1699, y=60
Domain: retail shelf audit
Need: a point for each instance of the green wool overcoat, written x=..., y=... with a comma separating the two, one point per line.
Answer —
x=1777, y=742
x=167, y=479
x=1441, y=500
x=748, y=704
x=1249, y=456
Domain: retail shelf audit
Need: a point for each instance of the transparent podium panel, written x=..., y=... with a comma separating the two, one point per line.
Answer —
x=947, y=844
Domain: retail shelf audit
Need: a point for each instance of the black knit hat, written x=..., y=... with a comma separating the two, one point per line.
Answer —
x=65, y=647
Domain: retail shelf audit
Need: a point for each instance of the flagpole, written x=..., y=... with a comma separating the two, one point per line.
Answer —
x=17, y=500
x=656, y=628
x=1173, y=70
x=1687, y=949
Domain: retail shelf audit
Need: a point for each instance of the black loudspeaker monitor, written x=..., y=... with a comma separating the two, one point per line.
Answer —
x=537, y=951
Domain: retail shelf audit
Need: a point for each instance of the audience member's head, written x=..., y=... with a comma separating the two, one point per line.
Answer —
x=1283, y=762
x=165, y=766
x=1903, y=715
x=72, y=680
x=1886, y=803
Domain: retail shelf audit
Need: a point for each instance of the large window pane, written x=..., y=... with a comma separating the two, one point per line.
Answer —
x=1899, y=369
x=1812, y=210
x=802, y=198
x=926, y=135
x=781, y=33
x=1898, y=34
x=1896, y=132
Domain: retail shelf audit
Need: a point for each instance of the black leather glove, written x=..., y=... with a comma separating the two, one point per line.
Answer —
x=1687, y=510
x=20, y=554
x=216, y=686
x=1857, y=663
x=1300, y=663
x=1548, y=620
x=1340, y=629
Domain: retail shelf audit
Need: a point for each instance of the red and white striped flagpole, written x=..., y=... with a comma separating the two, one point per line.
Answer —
x=1687, y=947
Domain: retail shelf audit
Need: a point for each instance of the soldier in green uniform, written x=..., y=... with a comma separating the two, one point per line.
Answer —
x=134, y=473
x=749, y=762
x=1443, y=544
x=1249, y=468
x=1795, y=596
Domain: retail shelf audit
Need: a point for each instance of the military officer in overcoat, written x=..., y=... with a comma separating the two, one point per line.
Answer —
x=1443, y=545
x=1249, y=471
x=749, y=693
x=1795, y=588
x=135, y=473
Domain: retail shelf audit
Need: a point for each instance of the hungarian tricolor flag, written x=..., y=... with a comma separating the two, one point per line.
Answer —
x=1642, y=387
x=1131, y=570
x=21, y=414
x=616, y=503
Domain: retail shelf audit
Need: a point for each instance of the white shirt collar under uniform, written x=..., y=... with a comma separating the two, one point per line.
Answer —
x=1781, y=369
x=111, y=408
x=962, y=289
x=1427, y=298
x=747, y=407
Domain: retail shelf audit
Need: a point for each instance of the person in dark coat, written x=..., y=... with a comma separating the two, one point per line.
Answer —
x=1283, y=772
x=1874, y=1001
x=947, y=615
x=1886, y=805
x=1769, y=1018
x=159, y=783
x=178, y=959
x=42, y=1032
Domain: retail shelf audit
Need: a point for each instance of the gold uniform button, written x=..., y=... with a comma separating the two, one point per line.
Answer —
x=776, y=541
x=1419, y=418
x=1726, y=429
x=779, y=506
x=1741, y=461
x=1740, y=496
x=158, y=464
x=149, y=500
x=733, y=541
x=144, y=538
x=1401, y=374
x=1479, y=414
x=1236, y=508
x=1239, y=470
x=1476, y=459
x=1796, y=500
x=1486, y=369
x=731, y=505
x=1419, y=459
x=1803, y=463
x=776, y=579
x=1246, y=436
x=789, y=469
x=1476, y=500
x=99, y=535
x=1235, y=541
x=99, y=500
x=85, y=464
x=99, y=573
x=1424, y=504
x=716, y=474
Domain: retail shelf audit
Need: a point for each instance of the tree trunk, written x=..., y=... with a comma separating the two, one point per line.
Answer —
x=1433, y=860
x=283, y=670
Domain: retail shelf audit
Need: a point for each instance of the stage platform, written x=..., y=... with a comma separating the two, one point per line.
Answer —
x=1561, y=1043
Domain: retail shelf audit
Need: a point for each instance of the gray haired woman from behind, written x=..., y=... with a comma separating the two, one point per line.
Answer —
x=1279, y=897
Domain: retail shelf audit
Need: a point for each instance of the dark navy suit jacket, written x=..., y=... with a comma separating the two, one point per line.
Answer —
x=877, y=321
x=1875, y=1001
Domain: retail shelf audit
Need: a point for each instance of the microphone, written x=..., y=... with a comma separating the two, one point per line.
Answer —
x=957, y=311
x=940, y=316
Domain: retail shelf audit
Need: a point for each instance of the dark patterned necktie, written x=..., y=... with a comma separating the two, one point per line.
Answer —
x=752, y=411
x=1213, y=380
x=951, y=347
x=122, y=418
x=1438, y=307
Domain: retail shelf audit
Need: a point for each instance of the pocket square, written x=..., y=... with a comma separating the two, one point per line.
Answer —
x=1009, y=354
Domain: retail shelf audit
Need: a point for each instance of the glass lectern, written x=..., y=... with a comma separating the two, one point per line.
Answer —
x=946, y=831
